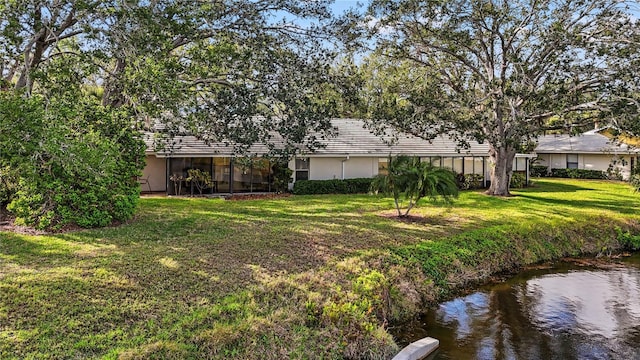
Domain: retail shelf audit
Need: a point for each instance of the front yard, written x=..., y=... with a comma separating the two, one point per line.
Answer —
x=296, y=277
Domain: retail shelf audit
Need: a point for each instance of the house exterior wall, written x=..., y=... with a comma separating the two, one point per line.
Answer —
x=360, y=167
x=558, y=161
x=319, y=168
x=325, y=168
x=328, y=168
x=156, y=172
x=594, y=162
x=589, y=162
x=623, y=163
x=543, y=160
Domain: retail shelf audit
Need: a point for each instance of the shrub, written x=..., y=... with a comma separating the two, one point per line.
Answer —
x=469, y=181
x=539, y=171
x=336, y=186
x=200, y=179
x=578, y=174
x=628, y=240
x=281, y=175
x=613, y=173
x=518, y=181
x=8, y=185
x=81, y=166
x=635, y=182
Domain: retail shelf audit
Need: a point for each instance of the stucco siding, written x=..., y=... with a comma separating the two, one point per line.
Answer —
x=624, y=164
x=360, y=167
x=594, y=162
x=328, y=168
x=325, y=168
x=156, y=172
x=558, y=161
x=543, y=160
x=599, y=162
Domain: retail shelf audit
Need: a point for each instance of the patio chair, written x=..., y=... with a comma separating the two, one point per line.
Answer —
x=144, y=181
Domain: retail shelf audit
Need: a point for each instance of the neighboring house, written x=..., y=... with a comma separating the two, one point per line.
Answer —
x=354, y=153
x=591, y=150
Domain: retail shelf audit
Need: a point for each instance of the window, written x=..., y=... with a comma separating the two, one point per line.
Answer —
x=177, y=176
x=458, y=165
x=572, y=161
x=447, y=162
x=520, y=164
x=436, y=161
x=261, y=175
x=222, y=174
x=302, y=169
x=383, y=166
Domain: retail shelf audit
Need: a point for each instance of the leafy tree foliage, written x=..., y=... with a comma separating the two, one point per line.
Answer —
x=78, y=167
x=237, y=71
x=82, y=77
x=498, y=72
x=408, y=179
x=200, y=179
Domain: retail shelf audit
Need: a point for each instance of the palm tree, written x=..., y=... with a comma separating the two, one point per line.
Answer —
x=410, y=179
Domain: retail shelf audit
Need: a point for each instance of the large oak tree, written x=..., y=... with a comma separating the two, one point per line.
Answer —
x=499, y=71
x=231, y=70
x=235, y=71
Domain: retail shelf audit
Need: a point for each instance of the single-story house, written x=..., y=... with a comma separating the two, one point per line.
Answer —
x=592, y=150
x=355, y=152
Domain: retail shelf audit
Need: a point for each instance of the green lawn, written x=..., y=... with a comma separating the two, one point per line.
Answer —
x=298, y=277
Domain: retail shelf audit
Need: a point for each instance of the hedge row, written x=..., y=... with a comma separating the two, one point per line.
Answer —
x=336, y=186
x=578, y=174
x=543, y=171
x=539, y=171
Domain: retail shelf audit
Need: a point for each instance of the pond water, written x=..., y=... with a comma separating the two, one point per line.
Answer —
x=566, y=312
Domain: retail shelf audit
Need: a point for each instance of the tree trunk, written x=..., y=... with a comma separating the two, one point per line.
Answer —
x=113, y=89
x=501, y=168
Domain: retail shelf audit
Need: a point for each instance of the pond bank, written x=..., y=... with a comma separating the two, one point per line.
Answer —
x=460, y=263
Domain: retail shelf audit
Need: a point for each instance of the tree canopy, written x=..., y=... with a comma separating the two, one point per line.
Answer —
x=239, y=71
x=79, y=79
x=498, y=71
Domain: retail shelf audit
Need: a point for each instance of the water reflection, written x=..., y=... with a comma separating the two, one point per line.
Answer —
x=590, y=302
x=571, y=314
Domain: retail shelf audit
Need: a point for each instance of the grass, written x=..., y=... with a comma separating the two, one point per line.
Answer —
x=296, y=277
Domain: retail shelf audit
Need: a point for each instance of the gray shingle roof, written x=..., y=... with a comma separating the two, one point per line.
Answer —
x=590, y=142
x=191, y=146
x=352, y=139
x=355, y=140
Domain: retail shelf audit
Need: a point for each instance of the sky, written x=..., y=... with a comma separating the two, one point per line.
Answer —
x=341, y=5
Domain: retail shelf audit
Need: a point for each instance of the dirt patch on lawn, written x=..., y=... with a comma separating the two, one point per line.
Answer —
x=236, y=197
x=416, y=219
x=7, y=223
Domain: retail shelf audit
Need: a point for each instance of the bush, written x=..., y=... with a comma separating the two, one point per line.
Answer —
x=559, y=173
x=281, y=175
x=635, y=182
x=81, y=167
x=8, y=185
x=628, y=240
x=518, y=181
x=578, y=174
x=200, y=179
x=469, y=181
x=539, y=171
x=336, y=186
